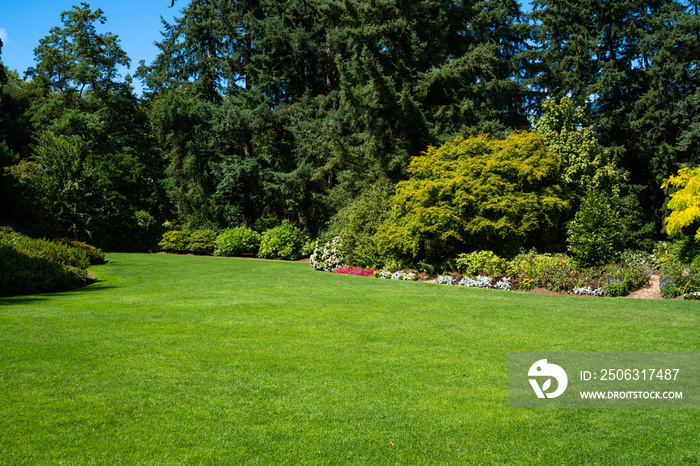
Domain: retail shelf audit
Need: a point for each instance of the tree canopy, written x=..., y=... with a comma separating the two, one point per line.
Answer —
x=261, y=111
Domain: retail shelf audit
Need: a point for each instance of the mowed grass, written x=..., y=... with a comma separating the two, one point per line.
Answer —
x=204, y=360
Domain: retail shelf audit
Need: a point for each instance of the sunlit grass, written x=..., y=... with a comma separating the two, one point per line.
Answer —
x=183, y=359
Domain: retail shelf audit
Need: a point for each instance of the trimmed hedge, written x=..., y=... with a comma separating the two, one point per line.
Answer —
x=188, y=241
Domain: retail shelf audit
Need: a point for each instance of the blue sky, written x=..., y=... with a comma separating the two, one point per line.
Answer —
x=136, y=22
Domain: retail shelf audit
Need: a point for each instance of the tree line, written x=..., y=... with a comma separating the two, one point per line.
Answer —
x=259, y=111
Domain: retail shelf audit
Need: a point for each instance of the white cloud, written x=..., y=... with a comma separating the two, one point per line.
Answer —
x=3, y=36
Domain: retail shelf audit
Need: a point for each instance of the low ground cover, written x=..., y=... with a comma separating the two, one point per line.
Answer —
x=190, y=359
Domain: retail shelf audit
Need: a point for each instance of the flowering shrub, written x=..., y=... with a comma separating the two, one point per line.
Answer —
x=445, y=280
x=692, y=295
x=615, y=287
x=359, y=271
x=527, y=284
x=588, y=291
x=650, y=262
x=635, y=276
x=328, y=257
x=398, y=275
x=668, y=288
x=410, y=276
x=384, y=274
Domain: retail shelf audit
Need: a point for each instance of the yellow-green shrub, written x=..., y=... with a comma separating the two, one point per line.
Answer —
x=476, y=193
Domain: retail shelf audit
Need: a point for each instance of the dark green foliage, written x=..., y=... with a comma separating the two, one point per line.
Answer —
x=237, y=241
x=284, y=241
x=75, y=58
x=23, y=274
x=95, y=166
x=595, y=234
x=259, y=110
x=68, y=187
x=182, y=125
x=38, y=265
x=634, y=66
x=358, y=223
x=681, y=266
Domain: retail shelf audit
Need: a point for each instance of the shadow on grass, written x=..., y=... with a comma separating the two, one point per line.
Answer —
x=34, y=298
x=96, y=286
x=25, y=299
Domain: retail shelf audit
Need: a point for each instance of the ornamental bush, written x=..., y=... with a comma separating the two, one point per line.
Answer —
x=476, y=193
x=328, y=257
x=95, y=255
x=358, y=222
x=615, y=287
x=445, y=280
x=681, y=264
x=481, y=263
x=284, y=241
x=594, y=235
x=503, y=284
x=201, y=242
x=668, y=288
x=175, y=241
x=481, y=281
x=589, y=291
x=635, y=275
x=237, y=241
x=185, y=240
x=62, y=251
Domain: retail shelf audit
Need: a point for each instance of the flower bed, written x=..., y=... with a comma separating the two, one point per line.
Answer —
x=359, y=271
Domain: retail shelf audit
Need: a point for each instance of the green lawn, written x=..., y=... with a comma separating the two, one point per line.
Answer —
x=188, y=360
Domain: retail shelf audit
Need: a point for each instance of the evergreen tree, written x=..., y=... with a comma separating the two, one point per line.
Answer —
x=633, y=65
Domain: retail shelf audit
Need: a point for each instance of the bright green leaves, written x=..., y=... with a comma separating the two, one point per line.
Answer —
x=585, y=164
x=476, y=193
